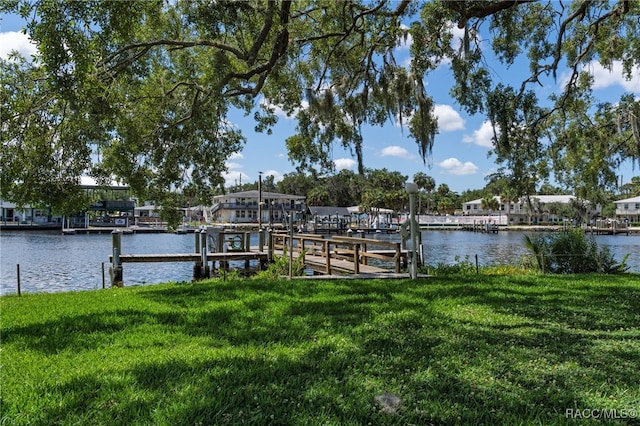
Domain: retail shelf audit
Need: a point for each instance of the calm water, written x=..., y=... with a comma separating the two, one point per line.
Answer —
x=50, y=261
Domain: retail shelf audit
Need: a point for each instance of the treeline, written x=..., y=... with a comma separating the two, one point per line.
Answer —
x=385, y=189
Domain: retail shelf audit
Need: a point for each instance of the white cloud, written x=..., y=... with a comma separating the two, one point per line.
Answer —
x=603, y=77
x=232, y=178
x=236, y=156
x=344, y=163
x=405, y=43
x=233, y=166
x=481, y=137
x=15, y=40
x=454, y=166
x=279, y=112
x=236, y=177
x=405, y=120
x=448, y=119
x=277, y=176
x=457, y=40
x=396, y=151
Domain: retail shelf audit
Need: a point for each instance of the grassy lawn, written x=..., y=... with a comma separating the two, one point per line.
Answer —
x=454, y=350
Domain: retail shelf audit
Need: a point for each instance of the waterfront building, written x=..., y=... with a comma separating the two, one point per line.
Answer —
x=628, y=209
x=538, y=209
x=11, y=214
x=242, y=207
x=110, y=205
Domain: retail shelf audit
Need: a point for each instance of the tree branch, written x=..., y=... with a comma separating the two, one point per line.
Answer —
x=266, y=28
x=279, y=50
x=178, y=44
x=485, y=9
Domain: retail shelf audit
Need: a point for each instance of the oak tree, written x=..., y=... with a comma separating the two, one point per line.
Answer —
x=141, y=91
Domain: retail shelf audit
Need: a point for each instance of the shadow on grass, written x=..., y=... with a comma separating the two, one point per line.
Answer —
x=455, y=350
x=75, y=333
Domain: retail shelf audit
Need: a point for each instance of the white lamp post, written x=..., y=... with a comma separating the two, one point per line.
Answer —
x=259, y=201
x=412, y=190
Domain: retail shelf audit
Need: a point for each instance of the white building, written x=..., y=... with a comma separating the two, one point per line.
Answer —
x=628, y=208
x=540, y=209
x=242, y=207
x=10, y=213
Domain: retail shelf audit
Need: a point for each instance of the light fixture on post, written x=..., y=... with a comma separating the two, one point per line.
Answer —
x=412, y=190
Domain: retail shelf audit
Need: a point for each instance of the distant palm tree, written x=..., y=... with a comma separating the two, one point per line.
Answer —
x=426, y=183
x=489, y=203
x=508, y=196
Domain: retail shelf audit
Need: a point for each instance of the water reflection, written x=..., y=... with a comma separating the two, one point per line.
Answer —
x=51, y=262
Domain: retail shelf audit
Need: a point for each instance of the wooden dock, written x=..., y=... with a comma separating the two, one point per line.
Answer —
x=338, y=255
x=192, y=257
x=609, y=227
x=341, y=255
x=489, y=228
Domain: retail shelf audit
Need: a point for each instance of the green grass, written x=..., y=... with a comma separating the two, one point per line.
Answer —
x=456, y=350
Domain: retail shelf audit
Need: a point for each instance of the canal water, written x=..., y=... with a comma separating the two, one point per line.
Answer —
x=52, y=262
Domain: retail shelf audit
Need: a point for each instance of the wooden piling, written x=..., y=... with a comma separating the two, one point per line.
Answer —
x=203, y=252
x=18, y=275
x=269, y=245
x=197, y=266
x=115, y=270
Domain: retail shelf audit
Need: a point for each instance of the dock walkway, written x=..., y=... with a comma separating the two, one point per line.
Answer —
x=191, y=257
x=338, y=255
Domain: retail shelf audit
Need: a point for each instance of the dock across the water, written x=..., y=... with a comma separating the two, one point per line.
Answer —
x=609, y=227
x=486, y=227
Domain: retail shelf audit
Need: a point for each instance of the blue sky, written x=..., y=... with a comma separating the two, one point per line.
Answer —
x=460, y=154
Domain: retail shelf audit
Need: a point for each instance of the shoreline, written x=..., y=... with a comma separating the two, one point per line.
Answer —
x=632, y=230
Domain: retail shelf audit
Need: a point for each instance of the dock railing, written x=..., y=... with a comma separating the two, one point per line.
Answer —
x=391, y=253
x=352, y=249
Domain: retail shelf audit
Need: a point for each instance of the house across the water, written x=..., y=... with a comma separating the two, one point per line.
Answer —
x=110, y=206
x=537, y=209
x=628, y=209
x=257, y=207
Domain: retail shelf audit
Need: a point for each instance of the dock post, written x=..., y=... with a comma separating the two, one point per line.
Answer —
x=247, y=248
x=327, y=253
x=18, y=276
x=420, y=253
x=356, y=258
x=399, y=259
x=197, y=267
x=115, y=270
x=203, y=254
x=269, y=245
x=263, y=263
x=290, y=245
